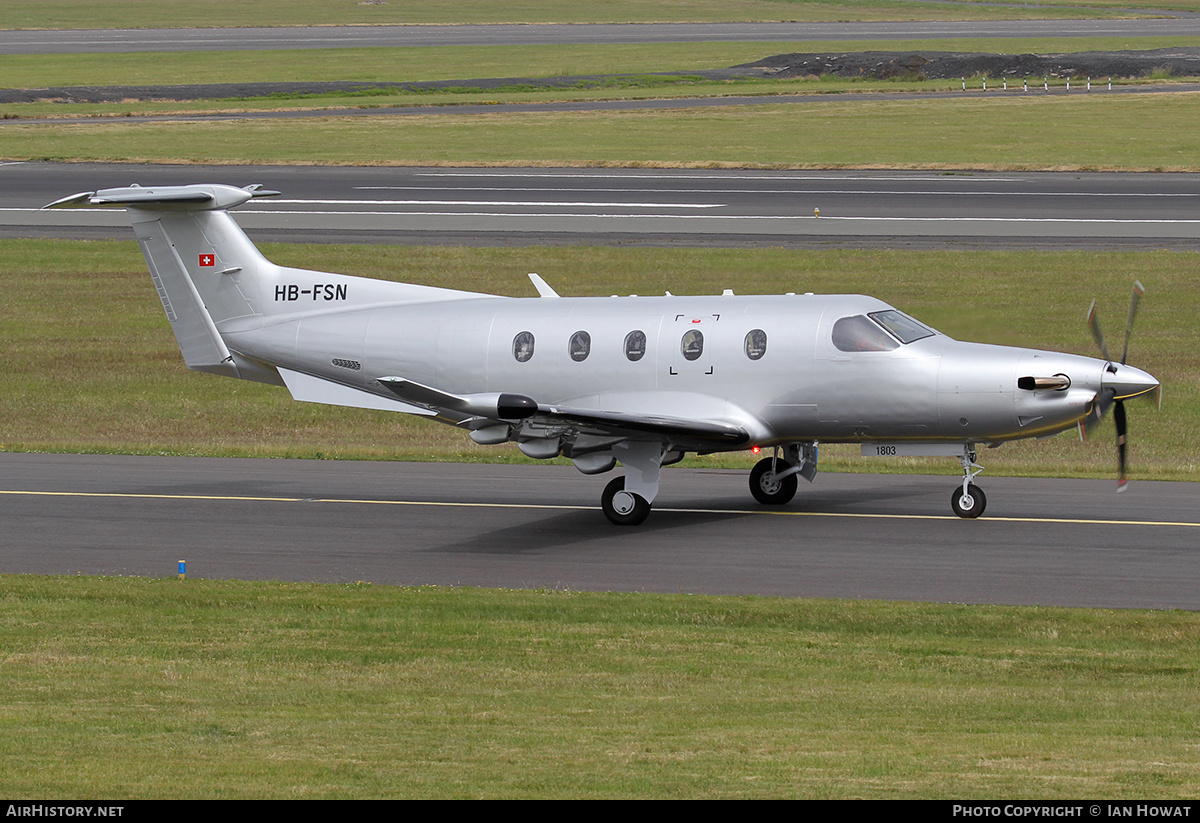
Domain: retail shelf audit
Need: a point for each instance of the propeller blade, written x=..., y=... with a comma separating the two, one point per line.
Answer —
x=1138, y=291
x=1097, y=335
x=1130, y=382
x=1100, y=405
x=1119, y=420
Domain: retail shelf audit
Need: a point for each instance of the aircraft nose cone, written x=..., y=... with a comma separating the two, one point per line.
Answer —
x=1127, y=381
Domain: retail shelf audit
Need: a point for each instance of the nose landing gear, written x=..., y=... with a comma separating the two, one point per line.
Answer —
x=969, y=501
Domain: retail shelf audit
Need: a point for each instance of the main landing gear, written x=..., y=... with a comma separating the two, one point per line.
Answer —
x=626, y=500
x=774, y=479
x=623, y=508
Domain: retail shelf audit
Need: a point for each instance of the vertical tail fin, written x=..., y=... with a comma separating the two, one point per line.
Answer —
x=199, y=259
x=212, y=280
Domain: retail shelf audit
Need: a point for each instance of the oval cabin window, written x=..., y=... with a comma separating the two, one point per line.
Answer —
x=635, y=345
x=580, y=346
x=523, y=346
x=692, y=345
x=756, y=344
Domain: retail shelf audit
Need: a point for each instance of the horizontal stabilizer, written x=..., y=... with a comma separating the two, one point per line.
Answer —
x=309, y=389
x=197, y=197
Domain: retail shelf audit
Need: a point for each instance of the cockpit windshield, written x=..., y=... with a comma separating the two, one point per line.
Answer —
x=858, y=333
x=903, y=327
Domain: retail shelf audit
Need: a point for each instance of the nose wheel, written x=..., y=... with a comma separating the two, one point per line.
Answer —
x=969, y=502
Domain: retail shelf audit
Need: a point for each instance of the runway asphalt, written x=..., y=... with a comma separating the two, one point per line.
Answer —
x=649, y=207
x=1049, y=542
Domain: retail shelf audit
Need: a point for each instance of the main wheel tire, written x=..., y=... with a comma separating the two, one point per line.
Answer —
x=767, y=488
x=623, y=508
x=971, y=504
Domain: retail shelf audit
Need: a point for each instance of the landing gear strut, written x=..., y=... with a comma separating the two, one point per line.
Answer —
x=969, y=501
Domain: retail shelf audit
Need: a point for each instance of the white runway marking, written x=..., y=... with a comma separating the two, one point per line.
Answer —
x=520, y=203
x=764, y=192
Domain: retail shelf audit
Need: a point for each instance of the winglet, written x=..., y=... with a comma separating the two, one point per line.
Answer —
x=544, y=288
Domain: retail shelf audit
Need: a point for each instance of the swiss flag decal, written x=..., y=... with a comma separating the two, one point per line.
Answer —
x=208, y=260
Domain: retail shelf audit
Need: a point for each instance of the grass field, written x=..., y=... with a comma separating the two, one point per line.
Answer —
x=1006, y=131
x=92, y=366
x=1012, y=132
x=137, y=688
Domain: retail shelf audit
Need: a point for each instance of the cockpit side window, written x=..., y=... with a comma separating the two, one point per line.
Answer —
x=903, y=327
x=857, y=333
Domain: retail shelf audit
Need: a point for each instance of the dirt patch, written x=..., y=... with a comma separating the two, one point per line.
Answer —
x=882, y=65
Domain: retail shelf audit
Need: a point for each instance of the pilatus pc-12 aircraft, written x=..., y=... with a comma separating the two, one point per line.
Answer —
x=639, y=381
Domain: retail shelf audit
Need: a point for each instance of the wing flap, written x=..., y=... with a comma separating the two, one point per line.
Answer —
x=712, y=432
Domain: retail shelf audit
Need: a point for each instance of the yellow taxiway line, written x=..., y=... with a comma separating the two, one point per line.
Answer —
x=564, y=507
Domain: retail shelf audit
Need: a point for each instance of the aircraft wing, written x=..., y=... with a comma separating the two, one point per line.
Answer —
x=546, y=420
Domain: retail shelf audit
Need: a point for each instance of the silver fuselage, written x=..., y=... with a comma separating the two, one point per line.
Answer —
x=801, y=388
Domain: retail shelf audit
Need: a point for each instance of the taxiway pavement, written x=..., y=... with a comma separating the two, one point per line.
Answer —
x=1169, y=24
x=1041, y=541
